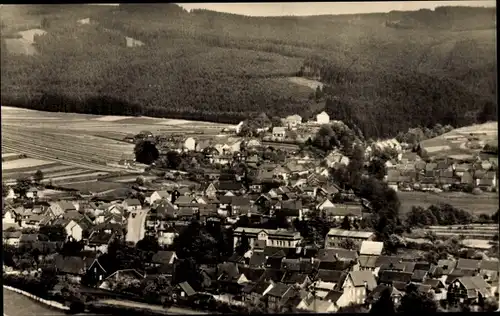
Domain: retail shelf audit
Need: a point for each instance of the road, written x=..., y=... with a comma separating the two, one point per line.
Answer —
x=136, y=226
x=15, y=304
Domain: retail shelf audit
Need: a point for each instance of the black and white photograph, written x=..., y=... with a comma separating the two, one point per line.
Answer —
x=249, y=158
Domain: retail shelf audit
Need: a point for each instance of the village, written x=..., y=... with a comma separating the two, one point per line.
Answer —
x=256, y=220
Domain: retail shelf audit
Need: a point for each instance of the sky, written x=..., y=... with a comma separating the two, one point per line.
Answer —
x=318, y=8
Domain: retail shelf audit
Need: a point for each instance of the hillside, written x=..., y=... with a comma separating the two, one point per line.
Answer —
x=223, y=67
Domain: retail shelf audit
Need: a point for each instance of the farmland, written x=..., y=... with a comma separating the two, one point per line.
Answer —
x=71, y=148
x=475, y=204
x=462, y=142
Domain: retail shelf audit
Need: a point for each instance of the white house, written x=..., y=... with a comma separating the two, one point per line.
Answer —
x=322, y=118
x=273, y=237
x=84, y=21
x=356, y=286
x=279, y=133
x=158, y=195
x=292, y=121
x=11, y=194
x=9, y=217
x=189, y=144
x=238, y=127
x=132, y=205
x=74, y=230
x=325, y=204
x=131, y=42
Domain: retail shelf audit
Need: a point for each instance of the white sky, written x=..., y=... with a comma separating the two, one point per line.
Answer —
x=318, y=8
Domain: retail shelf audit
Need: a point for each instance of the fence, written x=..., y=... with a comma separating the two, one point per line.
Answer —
x=38, y=299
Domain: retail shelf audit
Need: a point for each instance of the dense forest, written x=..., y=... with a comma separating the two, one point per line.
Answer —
x=205, y=65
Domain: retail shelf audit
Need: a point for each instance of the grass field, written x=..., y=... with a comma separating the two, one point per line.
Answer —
x=476, y=204
x=461, y=141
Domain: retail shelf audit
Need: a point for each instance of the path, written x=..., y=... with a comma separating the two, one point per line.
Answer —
x=136, y=226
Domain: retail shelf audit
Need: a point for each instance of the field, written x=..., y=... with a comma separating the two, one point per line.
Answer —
x=461, y=143
x=79, y=148
x=476, y=204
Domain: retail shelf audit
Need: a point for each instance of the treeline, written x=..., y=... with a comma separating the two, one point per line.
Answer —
x=112, y=106
x=442, y=215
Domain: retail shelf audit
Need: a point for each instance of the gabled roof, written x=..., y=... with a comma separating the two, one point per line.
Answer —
x=388, y=276
x=294, y=277
x=476, y=283
x=187, y=288
x=368, y=261
x=279, y=290
x=132, y=202
x=335, y=254
x=489, y=265
x=162, y=257
x=371, y=248
x=360, y=278
x=468, y=264
x=349, y=233
x=332, y=276
x=70, y=264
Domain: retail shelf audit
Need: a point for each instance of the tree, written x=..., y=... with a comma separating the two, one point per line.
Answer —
x=417, y=303
x=174, y=160
x=384, y=305
x=196, y=243
x=146, y=152
x=347, y=244
x=22, y=186
x=38, y=177
x=72, y=248
x=346, y=223
x=243, y=245
x=139, y=181
x=54, y=232
x=149, y=244
x=377, y=168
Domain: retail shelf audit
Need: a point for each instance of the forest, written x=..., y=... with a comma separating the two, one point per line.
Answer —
x=204, y=65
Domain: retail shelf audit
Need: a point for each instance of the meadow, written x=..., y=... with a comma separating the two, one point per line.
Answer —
x=486, y=203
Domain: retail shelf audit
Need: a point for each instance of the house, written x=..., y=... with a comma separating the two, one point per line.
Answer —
x=95, y=272
x=279, y=295
x=339, y=211
x=131, y=42
x=9, y=216
x=132, y=205
x=59, y=208
x=125, y=275
x=322, y=118
x=317, y=305
x=356, y=287
x=438, y=288
x=336, y=237
x=189, y=144
x=469, y=289
x=292, y=121
x=163, y=257
x=371, y=248
x=253, y=292
x=73, y=229
x=325, y=204
x=159, y=195
x=32, y=193
x=336, y=258
x=374, y=296
x=83, y=21
x=273, y=237
x=11, y=238
x=72, y=267
x=99, y=240
x=368, y=262
x=279, y=133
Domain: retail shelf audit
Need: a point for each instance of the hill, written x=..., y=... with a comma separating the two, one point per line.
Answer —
x=224, y=67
